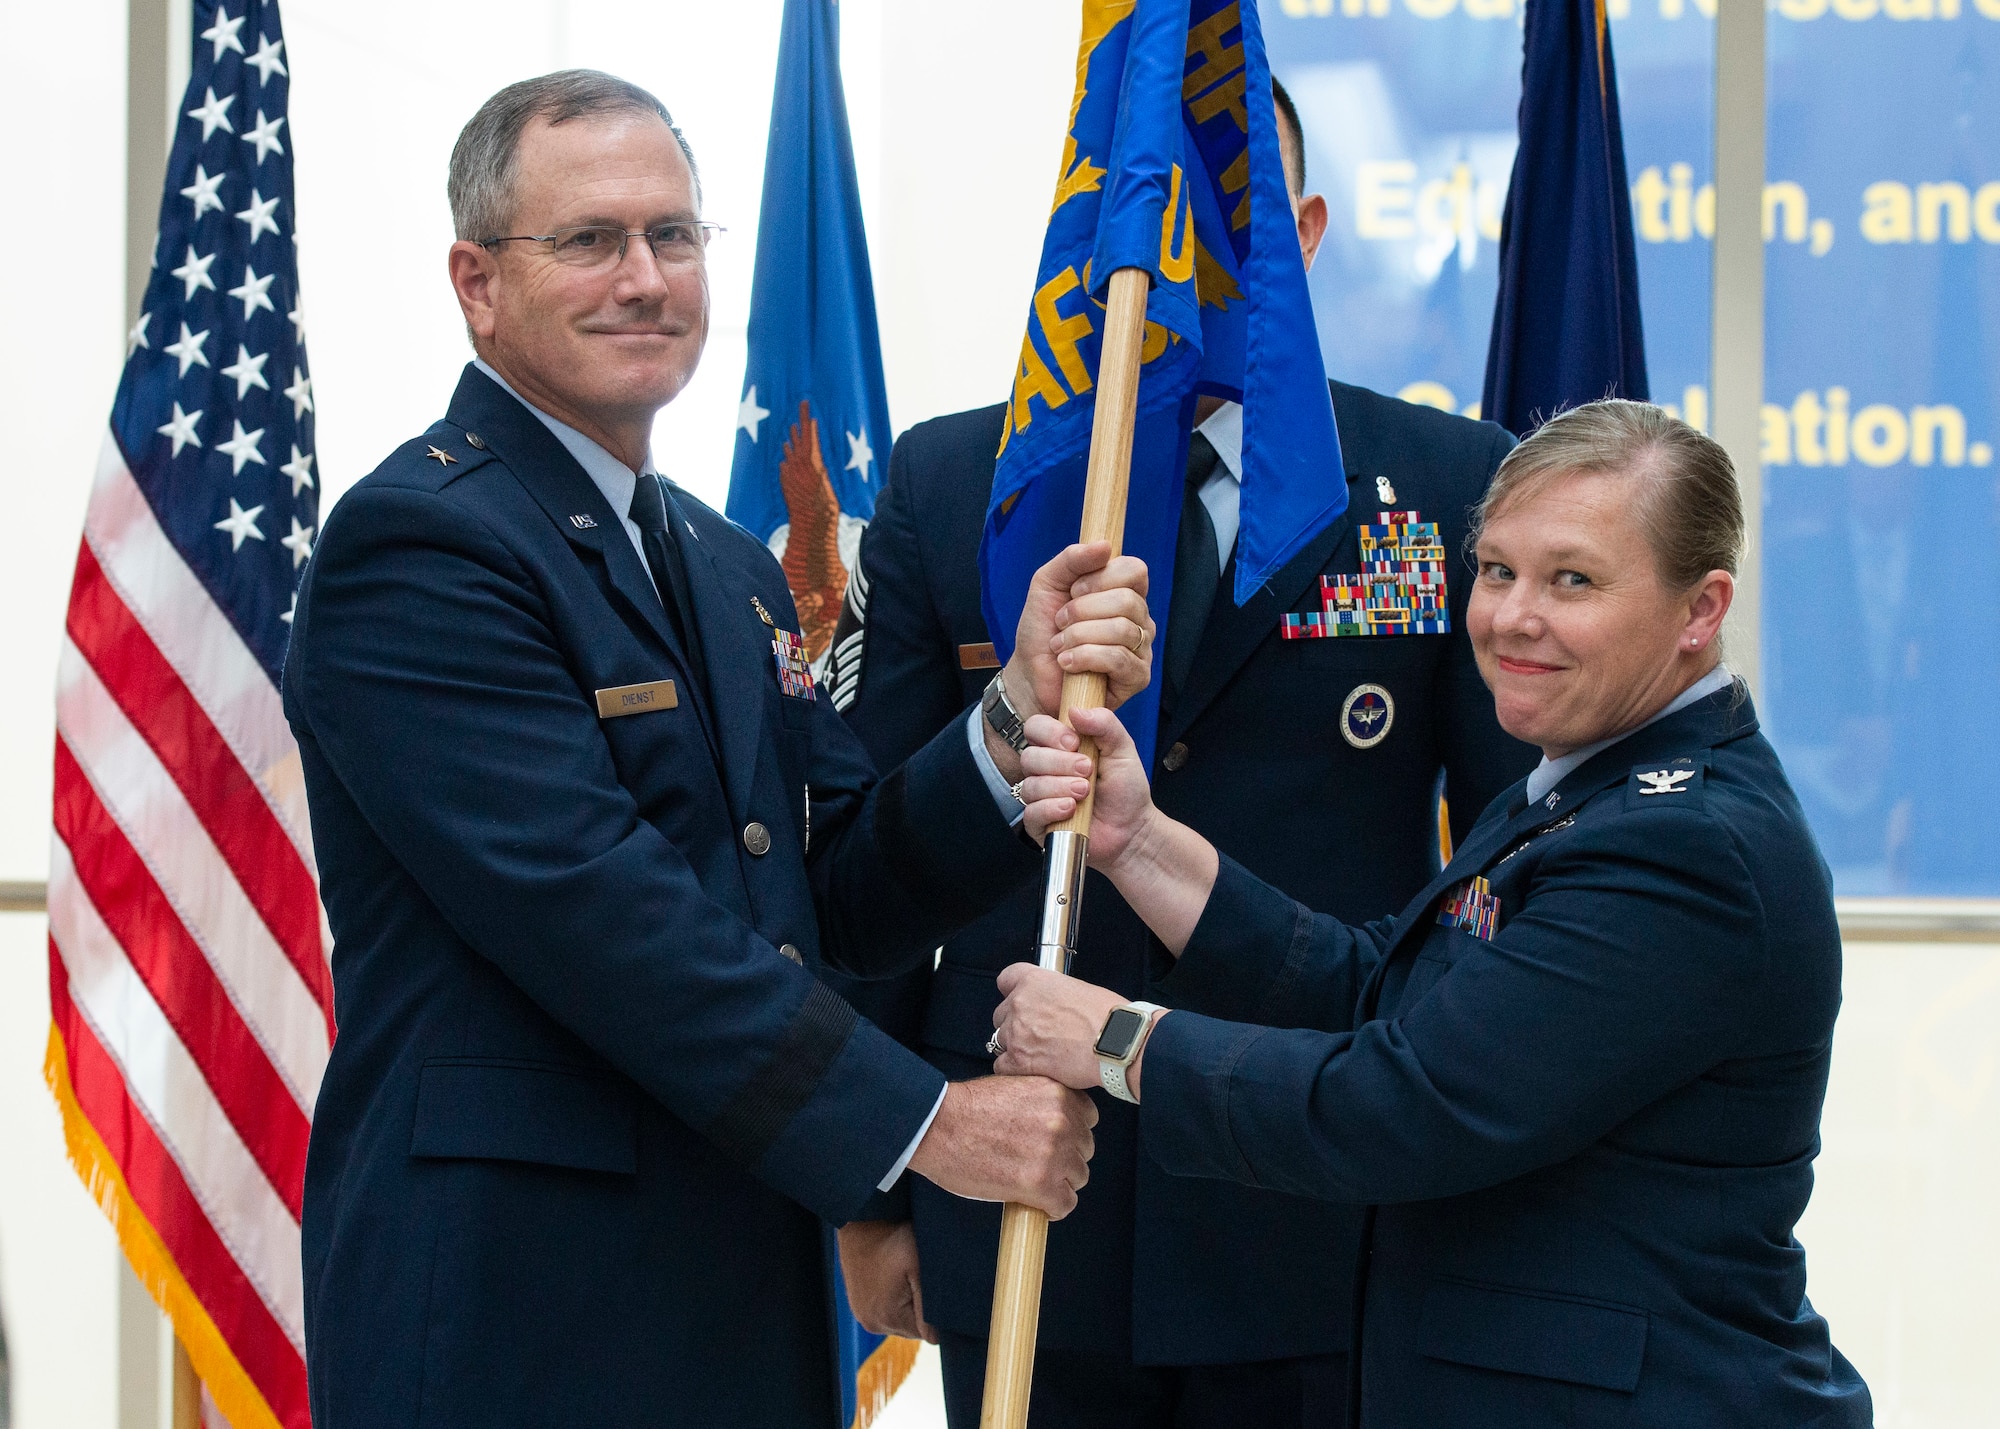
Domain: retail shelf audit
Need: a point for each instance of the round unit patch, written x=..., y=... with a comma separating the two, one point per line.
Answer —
x=1365, y=716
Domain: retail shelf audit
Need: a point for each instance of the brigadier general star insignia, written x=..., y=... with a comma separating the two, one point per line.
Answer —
x=444, y=458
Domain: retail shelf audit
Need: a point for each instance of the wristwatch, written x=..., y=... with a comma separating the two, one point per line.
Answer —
x=1124, y=1033
x=1001, y=716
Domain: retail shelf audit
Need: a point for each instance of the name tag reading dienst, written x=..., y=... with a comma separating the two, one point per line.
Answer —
x=636, y=699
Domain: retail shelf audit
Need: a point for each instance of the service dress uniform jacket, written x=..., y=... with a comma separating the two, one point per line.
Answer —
x=1150, y=1268
x=1579, y=1078
x=589, y=1101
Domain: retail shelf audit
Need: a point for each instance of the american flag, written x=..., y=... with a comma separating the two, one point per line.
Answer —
x=188, y=975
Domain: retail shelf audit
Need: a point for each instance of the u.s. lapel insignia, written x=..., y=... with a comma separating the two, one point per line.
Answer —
x=1366, y=715
x=1399, y=590
x=443, y=458
x=583, y=521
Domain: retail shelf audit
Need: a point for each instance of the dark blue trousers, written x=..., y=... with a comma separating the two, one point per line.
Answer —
x=1075, y=1390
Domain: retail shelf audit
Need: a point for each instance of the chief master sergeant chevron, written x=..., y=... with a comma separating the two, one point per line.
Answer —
x=588, y=831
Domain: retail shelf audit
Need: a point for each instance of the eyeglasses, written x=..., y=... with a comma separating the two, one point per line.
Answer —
x=601, y=245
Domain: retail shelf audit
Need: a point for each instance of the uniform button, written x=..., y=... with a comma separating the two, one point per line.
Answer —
x=757, y=839
x=786, y=950
x=475, y=441
x=1174, y=758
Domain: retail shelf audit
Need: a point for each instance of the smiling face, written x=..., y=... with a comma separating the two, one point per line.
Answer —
x=601, y=349
x=1574, y=631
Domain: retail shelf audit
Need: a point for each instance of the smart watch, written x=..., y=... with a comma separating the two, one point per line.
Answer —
x=1001, y=715
x=1123, y=1035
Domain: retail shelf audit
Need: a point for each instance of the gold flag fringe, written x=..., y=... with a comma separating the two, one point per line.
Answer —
x=880, y=1376
x=228, y=1384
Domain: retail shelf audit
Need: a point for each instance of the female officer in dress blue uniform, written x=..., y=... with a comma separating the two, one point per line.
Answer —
x=1579, y=1078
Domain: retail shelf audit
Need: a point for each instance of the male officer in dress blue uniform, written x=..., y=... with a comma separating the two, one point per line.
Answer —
x=1170, y=1301
x=588, y=831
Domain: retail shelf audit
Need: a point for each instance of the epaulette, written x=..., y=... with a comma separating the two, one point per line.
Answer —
x=1665, y=783
x=439, y=457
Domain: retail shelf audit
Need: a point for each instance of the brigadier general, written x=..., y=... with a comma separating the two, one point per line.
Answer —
x=1314, y=762
x=589, y=831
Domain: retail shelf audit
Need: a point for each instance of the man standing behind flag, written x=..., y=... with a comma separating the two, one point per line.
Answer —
x=588, y=833
x=1171, y=1302
x=1566, y=321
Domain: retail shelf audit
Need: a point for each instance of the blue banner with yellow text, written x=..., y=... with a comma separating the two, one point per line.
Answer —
x=1170, y=163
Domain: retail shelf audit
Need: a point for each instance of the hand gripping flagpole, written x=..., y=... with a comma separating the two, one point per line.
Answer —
x=1024, y=1231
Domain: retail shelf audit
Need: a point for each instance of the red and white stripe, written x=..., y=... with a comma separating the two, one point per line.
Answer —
x=188, y=965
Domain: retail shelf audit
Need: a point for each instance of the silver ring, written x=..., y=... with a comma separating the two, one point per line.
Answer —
x=993, y=1047
x=1015, y=790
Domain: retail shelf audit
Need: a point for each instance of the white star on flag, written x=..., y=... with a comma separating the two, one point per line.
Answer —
x=266, y=59
x=258, y=215
x=265, y=136
x=299, y=543
x=194, y=273
x=254, y=292
x=181, y=428
x=287, y=616
x=136, y=339
x=188, y=349
x=749, y=414
x=297, y=318
x=248, y=371
x=859, y=453
x=241, y=449
x=204, y=190
x=223, y=32
x=213, y=114
x=301, y=393
x=299, y=469
x=240, y=524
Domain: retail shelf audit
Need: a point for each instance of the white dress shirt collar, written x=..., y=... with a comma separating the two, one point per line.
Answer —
x=608, y=474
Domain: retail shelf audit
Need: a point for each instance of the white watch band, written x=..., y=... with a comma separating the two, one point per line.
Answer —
x=1110, y=1071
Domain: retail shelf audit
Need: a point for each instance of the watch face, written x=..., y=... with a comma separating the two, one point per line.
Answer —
x=1121, y=1030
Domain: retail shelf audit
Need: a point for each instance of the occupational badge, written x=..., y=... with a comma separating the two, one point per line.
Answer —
x=1365, y=716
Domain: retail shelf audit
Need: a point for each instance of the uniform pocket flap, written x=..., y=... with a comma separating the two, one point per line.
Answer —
x=959, y=1017
x=1577, y=1341
x=520, y=1111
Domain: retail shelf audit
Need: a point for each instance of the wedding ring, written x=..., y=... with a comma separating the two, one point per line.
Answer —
x=1015, y=790
x=993, y=1047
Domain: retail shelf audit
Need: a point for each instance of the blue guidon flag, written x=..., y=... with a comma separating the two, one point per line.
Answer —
x=1170, y=163
x=1566, y=321
x=814, y=412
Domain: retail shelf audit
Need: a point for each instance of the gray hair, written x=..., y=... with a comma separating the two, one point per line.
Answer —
x=1687, y=503
x=483, y=161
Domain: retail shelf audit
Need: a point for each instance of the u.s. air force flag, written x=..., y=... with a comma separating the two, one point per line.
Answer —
x=814, y=408
x=1170, y=164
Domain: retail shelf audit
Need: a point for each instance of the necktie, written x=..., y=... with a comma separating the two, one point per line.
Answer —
x=1197, y=569
x=650, y=514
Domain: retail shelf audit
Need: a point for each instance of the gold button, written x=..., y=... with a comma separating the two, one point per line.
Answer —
x=1174, y=758
x=786, y=950
x=757, y=839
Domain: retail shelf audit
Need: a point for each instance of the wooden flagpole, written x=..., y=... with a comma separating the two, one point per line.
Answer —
x=1024, y=1231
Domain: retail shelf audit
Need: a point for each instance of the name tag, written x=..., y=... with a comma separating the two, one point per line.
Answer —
x=978, y=657
x=636, y=699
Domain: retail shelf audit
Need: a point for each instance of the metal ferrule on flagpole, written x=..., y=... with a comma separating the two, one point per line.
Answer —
x=1065, y=856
